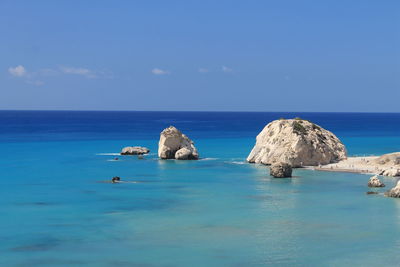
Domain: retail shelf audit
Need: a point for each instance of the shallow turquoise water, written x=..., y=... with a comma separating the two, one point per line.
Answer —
x=56, y=209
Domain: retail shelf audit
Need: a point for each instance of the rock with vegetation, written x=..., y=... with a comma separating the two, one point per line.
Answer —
x=375, y=182
x=296, y=142
x=174, y=144
x=395, y=191
x=134, y=150
x=280, y=170
x=390, y=159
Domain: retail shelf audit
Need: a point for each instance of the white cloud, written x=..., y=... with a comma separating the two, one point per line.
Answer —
x=157, y=71
x=18, y=71
x=203, y=70
x=226, y=69
x=79, y=71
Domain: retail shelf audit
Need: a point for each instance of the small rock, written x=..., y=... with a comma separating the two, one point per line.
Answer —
x=281, y=170
x=183, y=153
x=115, y=179
x=371, y=193
x=135, y=150
x=375, y=182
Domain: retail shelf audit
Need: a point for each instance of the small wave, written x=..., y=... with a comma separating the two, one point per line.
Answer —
x=209, y=159
x=236, y=162
x=108, y=154
x=239, y=162
x=112, y=160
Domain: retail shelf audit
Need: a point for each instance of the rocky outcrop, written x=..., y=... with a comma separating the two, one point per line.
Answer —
x=134, y=150
x=390, y=172
x=389, y=164
x=375, y=182
x=280, y=170
x=296, y=142
x=175, y=145
x=395, y=191
x=390, y=159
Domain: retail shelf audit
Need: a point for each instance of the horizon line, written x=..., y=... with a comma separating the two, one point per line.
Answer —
x=198, y=111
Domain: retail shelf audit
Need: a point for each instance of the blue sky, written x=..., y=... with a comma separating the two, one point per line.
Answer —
x=200, y=55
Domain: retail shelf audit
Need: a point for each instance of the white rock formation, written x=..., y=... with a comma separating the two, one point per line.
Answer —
x=395, y=191
x=175, y=145
x=134, y=150
x=375, y=182
x=298, y=143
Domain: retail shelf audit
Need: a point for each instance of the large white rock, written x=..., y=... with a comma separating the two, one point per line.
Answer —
x=298, y=143
x=175, y=145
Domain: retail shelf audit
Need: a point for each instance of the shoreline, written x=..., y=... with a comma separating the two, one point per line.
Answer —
x=362, y=165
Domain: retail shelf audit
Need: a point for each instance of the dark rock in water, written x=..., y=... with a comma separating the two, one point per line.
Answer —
x=135, y=150
x=375, y=182
x=115, y=179
x=371, y=193
x=281, y=170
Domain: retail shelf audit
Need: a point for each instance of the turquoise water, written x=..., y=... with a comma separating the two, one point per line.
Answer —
x=56, y=209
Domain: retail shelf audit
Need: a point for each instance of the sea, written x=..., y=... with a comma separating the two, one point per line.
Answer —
x=58, y=207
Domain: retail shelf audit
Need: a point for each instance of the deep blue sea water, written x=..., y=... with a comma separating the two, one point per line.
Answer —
x=56, y=209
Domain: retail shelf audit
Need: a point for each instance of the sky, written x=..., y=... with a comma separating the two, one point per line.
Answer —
x=328, y=55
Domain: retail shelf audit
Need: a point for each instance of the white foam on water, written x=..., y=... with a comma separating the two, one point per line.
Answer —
x=108, y=154
x=236, y=162
x=209, y=159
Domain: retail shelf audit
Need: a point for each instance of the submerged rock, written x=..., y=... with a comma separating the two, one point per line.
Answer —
x=395, y=191
x=174, y=144
x=134, y=150
x=280, y=170
x=372, y=193
x=296, y=142
x=375, y=182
